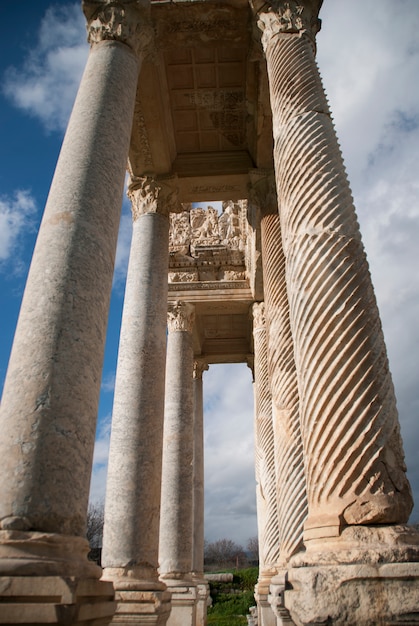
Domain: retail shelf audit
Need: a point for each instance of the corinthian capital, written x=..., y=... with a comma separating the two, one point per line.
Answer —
x=259, y=320
x=262, y=189
x=127, y=21
x=153, y=195
x=296, y=16
x=199, y=367
x=180, y=317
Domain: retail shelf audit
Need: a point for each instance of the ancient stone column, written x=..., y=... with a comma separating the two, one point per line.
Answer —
x=354, y=462
x=353, y=454
x=50, y=401
x=132, y=508
x=198, y=495
x=266, y=483
x=290, y=478
x=176, y=524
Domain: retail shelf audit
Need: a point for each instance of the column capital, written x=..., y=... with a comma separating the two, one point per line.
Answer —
x=126, y=21
x=262, y=190
x=153, y=195
x=258, y=313
x=294, y=17
x=199, y=367
x=180, y=316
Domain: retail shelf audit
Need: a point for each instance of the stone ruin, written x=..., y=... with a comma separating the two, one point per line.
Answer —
x=222, y=101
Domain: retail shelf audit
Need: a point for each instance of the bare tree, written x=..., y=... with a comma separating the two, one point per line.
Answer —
x=94, y=529
x=224, y=553
x=253, y=549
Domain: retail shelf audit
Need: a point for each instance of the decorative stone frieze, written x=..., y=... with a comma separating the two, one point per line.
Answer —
x=153, y=195
x=126, y=21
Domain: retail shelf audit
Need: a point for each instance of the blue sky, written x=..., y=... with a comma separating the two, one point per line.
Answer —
x=368, y=53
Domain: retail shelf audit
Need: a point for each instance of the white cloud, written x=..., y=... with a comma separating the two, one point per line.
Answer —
x=100, y=460
x=46, y=84
x=230, y=500
x=16, y=219
x=108, y=383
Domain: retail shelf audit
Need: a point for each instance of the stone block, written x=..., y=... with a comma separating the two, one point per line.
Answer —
x=55, y=600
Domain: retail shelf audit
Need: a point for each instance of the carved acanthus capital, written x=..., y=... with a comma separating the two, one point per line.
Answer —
x=199, y=367
x=127, y=21
x=293, y=17
x=180, y=317
x=262, y=190
x=153, y=195
x=258, y=313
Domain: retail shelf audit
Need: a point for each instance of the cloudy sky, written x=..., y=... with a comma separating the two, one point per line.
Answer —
x=368, y=53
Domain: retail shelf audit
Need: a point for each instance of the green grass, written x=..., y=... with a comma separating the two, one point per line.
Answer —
x=227, y=620
x=231, y=601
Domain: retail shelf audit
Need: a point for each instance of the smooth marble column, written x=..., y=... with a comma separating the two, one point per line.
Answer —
x=132, y=507
x=50, y=400
x=176, y=525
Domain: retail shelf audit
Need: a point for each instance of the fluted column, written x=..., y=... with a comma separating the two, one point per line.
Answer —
x=266, y=499
x=289, y=462
x=132, y=508
x=199, y=368
x=353, y=453
x=50, y=401
x=176, y=524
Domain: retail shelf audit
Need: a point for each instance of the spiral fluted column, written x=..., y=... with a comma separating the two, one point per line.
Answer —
x=266, y=483
x=289, y=462
x=353, y=453
x=264, y=447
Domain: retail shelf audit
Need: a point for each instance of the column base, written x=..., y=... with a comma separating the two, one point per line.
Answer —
x=139, y=601
x=24, y=553
x=265, y=614
x=184, y=595
x=30, y=600
x=46, y=578
x=276, y=600
x=368, y=576
x=202, y=594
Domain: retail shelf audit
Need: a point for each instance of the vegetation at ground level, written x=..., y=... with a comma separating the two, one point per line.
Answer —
x=231, y=600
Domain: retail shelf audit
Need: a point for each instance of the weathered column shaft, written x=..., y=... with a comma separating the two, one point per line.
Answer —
x=132, y=509
x=264, y=449
x=202, y=586
x=198, y=469
x=50, y=400
x=176, y=530
x=353, y=453
x=289, y=462
x=266, y=498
